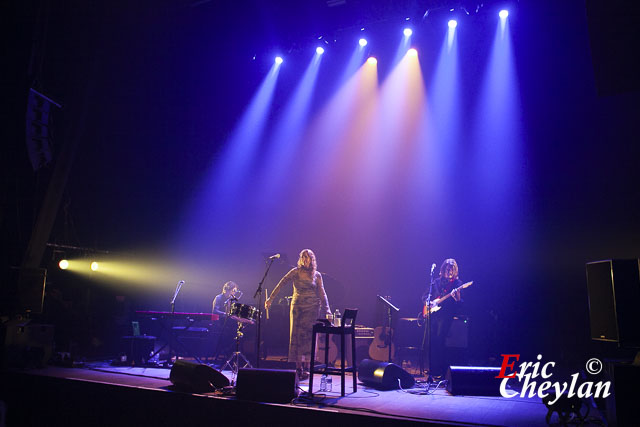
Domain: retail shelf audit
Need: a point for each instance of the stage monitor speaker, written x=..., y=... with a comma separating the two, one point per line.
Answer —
x=267, y=385
x=384, y=375
x=473, y=380
x=195, y=377
x=614, y=298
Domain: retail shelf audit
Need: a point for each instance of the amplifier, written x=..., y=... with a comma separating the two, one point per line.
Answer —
x=364, y=332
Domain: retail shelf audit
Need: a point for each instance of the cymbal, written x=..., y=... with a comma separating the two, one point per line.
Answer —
x=409, y=319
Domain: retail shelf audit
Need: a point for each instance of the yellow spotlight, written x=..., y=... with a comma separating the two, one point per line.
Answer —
x=412, y=52
x=63, y=264
x=94, y=266
x=372, y=61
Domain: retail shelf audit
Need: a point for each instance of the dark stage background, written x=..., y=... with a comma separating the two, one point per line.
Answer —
x=163, y=85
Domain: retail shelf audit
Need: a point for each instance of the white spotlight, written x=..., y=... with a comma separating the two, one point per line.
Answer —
x=362, y=42
x=278, y=60
x=319, y=50
x=407, y=32
x=503, y=14
x=453, y=23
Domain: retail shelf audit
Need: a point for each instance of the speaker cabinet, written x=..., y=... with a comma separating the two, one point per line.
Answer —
x=195, y=377
x=31, y=289
x=267, y=385
x=362, y=350
x=614, y=298
x=473, y=381
x=27, y=345
x=621, y=407
x=458, y=336
x=384, y=375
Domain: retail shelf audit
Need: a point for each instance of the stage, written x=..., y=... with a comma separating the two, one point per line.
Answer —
x=101, y=394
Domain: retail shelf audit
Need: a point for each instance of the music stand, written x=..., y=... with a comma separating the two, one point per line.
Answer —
x=389, y=307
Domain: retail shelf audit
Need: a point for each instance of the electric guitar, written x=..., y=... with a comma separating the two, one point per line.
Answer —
x=436, y=304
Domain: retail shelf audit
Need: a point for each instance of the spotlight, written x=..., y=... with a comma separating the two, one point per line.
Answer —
x=503, y=14
x=362, y=42
x=94, y=266
x=319, y=50
x=278, y=60
x=453, y=23
x=372, y=61
x=412, y=52
x=63, y=264
x=407, y=32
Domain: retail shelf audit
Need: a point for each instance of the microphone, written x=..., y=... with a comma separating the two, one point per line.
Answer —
x=181, y=282
x=276, y=256
x=433, y=268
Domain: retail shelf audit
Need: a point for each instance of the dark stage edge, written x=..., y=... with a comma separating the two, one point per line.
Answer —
x=80, y=396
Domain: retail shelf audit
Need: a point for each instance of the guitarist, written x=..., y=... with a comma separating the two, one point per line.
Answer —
x=443, y=285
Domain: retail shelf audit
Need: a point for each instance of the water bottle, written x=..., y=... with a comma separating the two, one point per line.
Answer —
x=323, y=382
x=337, y=318
x=329, y=386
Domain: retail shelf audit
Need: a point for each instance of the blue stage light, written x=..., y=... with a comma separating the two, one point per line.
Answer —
x=407, y=32
x=319, y=50
x=453, y=23
x=362, y=42
x=278, y=60
x=503, y=14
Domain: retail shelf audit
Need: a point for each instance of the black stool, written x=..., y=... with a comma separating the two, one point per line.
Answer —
x=346, y=328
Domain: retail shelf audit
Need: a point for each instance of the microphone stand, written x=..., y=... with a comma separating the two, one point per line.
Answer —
x=171, y=323
x=175, y=295
x=258, y=294
x=427, y=333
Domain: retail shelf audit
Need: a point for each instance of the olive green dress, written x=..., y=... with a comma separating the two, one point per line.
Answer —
x=309, y=302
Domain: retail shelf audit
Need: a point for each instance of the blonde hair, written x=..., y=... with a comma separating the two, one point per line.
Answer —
x=449, y=262
x=228, y=286
x=312, y=256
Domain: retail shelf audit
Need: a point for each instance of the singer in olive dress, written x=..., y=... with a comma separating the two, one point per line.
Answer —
x=309, y=302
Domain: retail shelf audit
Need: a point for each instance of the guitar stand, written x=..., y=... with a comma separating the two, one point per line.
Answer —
x=234, y=361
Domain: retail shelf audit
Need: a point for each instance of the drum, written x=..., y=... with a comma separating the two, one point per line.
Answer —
x=243, y=313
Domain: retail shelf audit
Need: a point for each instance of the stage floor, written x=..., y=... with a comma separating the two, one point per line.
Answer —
x=415, y=405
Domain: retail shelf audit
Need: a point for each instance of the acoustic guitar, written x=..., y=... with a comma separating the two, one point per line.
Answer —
x=382, y=339
x=321, y=349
